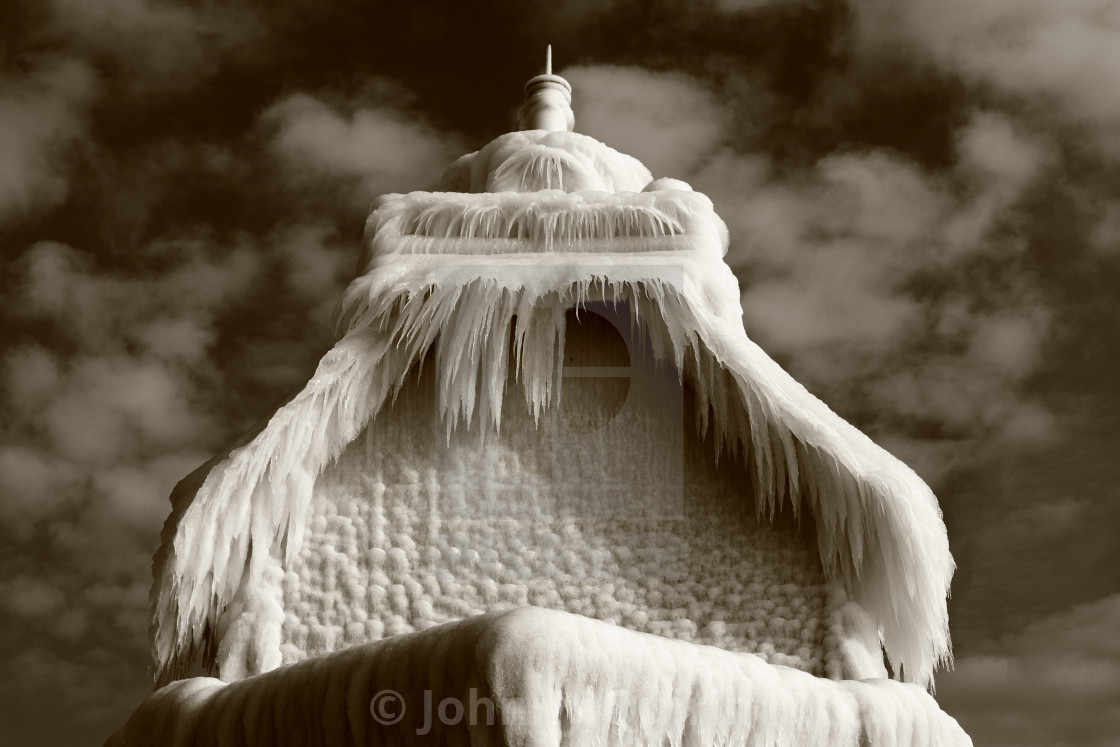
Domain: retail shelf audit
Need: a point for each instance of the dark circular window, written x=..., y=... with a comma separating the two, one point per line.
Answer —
x=596, y=372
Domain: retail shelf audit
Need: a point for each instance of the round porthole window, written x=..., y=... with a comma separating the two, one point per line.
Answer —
x=597, y=367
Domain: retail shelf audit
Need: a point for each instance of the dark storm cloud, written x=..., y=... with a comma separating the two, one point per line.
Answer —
x=921, y=196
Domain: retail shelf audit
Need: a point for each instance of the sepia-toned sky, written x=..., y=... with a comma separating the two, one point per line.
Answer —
x=924, y=205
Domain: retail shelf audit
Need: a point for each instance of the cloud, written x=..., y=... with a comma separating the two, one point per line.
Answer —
x=131, y=489
x=117, y=396
x=41, y=116
x=1058, y=58
x=669, y=121
x=317, y=263
x=128, y=388
x=840, y=263
x=867, y=273
x=35, y=485
x=1104, y=236
x=103, y=309
x=823, y=255
x=161, y=45
x=901, y=270
x=113, y=407
x=1055, y=683
x=736, y=6
x=88, y=688
x=363, y=151
x=99, y=426
x=1009, y=341
x=997, y=163
x=31, y=598
x=1049, y=520
x=109, y=404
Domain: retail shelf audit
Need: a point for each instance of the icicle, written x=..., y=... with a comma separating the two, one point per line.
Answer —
x=443, y=223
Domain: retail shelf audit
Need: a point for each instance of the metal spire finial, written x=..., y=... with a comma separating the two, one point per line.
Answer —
x=548, y=101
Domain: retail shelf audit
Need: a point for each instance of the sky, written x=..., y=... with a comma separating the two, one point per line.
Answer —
x=923, y=198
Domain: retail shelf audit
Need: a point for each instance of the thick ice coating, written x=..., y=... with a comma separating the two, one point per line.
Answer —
x=474, y=282
x=538, y=677
x=453, y=276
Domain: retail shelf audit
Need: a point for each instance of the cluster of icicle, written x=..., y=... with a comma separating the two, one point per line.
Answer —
x=541, y=677
x=878, y=525
x=544, y=222
x=535, y=221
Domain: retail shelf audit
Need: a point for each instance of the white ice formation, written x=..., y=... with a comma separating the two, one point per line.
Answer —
x=540, y=677
x=470, y=287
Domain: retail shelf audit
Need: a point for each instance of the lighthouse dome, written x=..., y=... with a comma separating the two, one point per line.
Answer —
x=534, y=160
x=546, y=153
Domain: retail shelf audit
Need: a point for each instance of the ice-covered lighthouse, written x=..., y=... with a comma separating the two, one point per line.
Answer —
x=545, y=490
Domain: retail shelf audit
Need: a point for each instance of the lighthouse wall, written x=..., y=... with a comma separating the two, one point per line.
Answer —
x=611, y=505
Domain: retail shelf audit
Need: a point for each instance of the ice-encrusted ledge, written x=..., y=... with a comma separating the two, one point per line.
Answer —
x=538, y=677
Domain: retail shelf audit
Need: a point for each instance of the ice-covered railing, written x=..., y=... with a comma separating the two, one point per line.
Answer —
x=542, y=221
x=545, y=222
x=542, y=678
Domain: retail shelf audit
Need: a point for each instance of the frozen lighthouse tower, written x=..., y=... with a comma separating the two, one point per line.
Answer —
x=545, y=490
